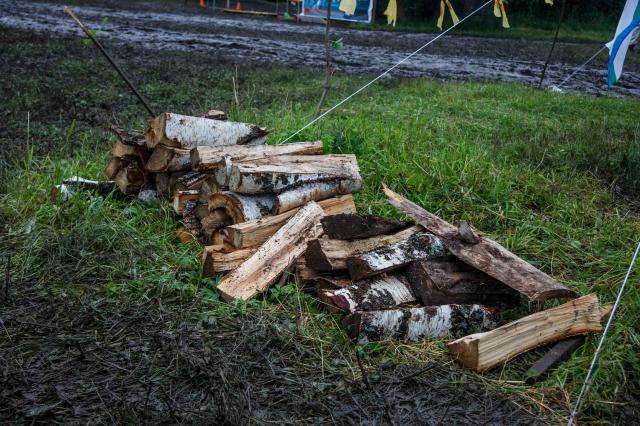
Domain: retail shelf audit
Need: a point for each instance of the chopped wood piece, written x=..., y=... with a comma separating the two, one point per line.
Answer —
x=130, y=179
x=216, y=259
x=128, y=137
x=114, y=166
x=213, y=157
x=184, y=235
x=558, y=353
x=328, y=255
x=214, y=114
x=180, y=197
x=485, y=254
x=182, y=131
x=123, y=151
x=217, y=219
x=412, y=324
x=191, y=180
x=381, y=292
x=423, y=245
x=302, y=194
x=356, y=226
x=277, y=174
x=484, y=351
x=241, y=208
x=189, y=218
x=256, y=232
x=447, y=280
x=167, y=159
x=258, y=272
x=202, y=210
x=208, y=188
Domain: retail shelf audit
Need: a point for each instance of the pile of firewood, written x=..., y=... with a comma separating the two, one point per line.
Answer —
x=266, y=213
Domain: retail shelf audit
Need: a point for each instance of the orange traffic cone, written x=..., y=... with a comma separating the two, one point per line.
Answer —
x=238, y=7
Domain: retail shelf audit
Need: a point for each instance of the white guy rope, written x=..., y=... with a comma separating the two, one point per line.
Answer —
x=412, y=54
x=602, y=338
x=580, y=68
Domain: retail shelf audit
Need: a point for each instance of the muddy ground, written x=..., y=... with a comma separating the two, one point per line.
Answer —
x=170, y=27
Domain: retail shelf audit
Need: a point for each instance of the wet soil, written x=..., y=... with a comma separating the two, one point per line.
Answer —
x=176, y=27
x=164, y=361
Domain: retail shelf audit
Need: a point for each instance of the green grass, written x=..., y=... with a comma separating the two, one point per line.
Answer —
x=537, y=171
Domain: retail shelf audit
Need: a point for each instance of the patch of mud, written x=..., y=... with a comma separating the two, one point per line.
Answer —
x=263, y=41
x=149, y=361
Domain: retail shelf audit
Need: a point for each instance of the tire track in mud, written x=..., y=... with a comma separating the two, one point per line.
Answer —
x=300, y=45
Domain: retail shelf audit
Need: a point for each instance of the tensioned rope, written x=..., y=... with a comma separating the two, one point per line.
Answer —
x=581, y=67
x=602, y=338
x=412, y=54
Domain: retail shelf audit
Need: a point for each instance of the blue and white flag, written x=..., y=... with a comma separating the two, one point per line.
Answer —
x=629, y=21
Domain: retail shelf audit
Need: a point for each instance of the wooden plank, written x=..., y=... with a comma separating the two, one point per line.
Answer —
x=216, y=259
x=417, y=323
x=273, y=175
x=328, y=255
x=381, y=292
x=258, y=272
x=168, y=159
x=357, y=226
x=255, y=232
x=447, y=280
x=484, y=351
x=213, y=157
x=485, y=254
x=422, y=245
x=182, y=131
x=558, y=353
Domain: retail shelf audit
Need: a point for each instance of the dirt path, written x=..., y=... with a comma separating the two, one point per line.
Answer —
x=174, y=27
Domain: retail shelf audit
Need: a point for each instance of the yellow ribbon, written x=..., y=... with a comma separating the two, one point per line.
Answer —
x=498, y=11
x=549, y=2
x=452, y=12
x=391, y=12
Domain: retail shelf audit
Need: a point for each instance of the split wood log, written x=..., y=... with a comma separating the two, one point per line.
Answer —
x=448, y=280
x=130, y=179
x=120, y=150
x=209, y=187
x=181, y=197
x=485, y=254
x=182, y=131
x=412, y=324
x=216, y=259
x=258, y=272
x=559, y=352
x=277, y=174
x=423, y=245
x=328, y=255
x=484, y=351
x=202, y=210
x=189, y=217
x=381, y=292
x=218, y=219
x=190, y=180
x=214, y=114
x=357, y=226
x=240, y=207
x=302, y=194
x=128, y=137
x=214, y=157
x=113, y=167
x=168, y=159
x=256, y=232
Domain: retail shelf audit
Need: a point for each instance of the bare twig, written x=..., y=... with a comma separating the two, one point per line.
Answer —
x=365, y=377
x=328, y=70
x=7, y=279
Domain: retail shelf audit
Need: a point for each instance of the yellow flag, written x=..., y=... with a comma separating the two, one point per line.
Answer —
x=498, y=11
x=452, y=12
x=391, y=12
x=550, y=2
x=441, y=16
x=347, y=6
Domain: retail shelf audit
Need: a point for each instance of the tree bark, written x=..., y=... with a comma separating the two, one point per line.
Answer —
x=130, y=179
x=181, y=197
x=357, y=226
x=167, y=159
x=485, y=254
x=114, y=166
x=258, y=272
x=301, y=195
x=484, y=351
x=241, y=208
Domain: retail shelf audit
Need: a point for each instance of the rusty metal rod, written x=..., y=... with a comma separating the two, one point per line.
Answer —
x=95, y=41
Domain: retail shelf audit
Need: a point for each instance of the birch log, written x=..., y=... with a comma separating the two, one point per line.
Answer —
x=241, y=208
x=216, y=259
x=130, y=179
x=256, y=232
x=277, y=174
x=448, y=280
x=357, y=226
x=213, y=157
x=381, y=292
x=167, y=159
x=302, y=194
x=259, y=271
x=331, y=255
x=423, y=245
x=417, y=323
x=484, y=351
x=186, y=132
x=485, y=254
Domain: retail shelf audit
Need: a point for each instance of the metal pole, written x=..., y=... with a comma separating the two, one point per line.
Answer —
x=84, y=29
x=553, y=45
